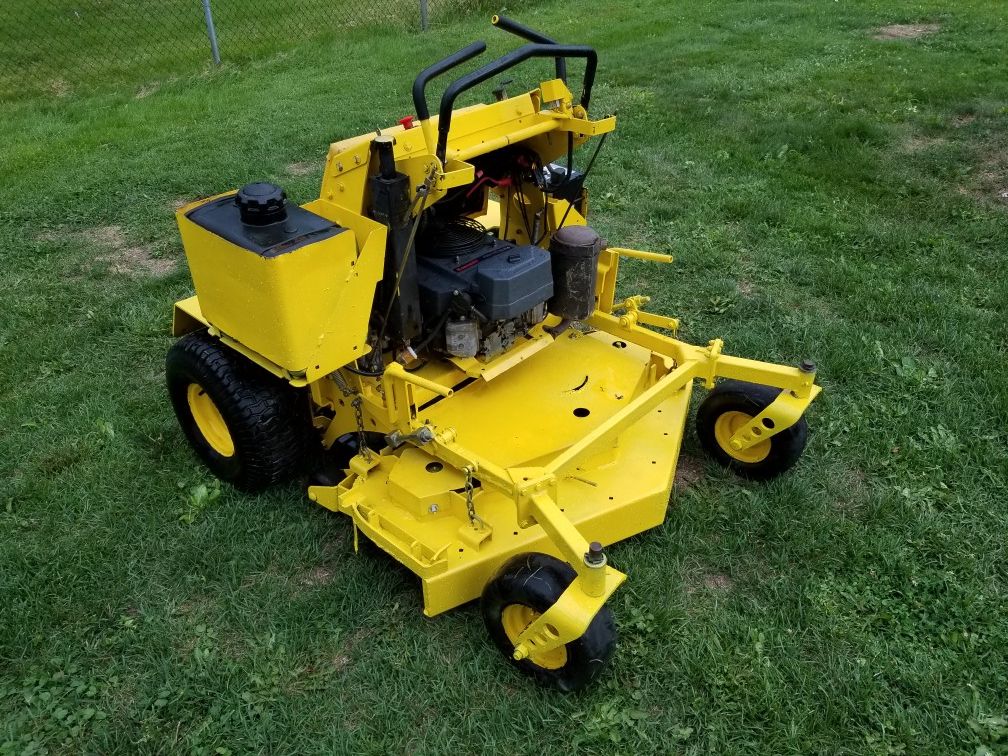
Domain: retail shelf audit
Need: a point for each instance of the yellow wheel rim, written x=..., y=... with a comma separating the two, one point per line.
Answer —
x=515, y=618
x=209, y=421
x=727, y=424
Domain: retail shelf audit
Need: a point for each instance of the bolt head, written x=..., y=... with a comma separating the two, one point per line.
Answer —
x=595, y=555
x=807, y=366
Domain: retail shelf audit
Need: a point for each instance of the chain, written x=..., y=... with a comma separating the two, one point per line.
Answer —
x=362, y=446
x=473, y=517
x=358, y=409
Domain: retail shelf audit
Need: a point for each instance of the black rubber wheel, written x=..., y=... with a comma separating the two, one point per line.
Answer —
x=249, y=427
x=525, y=587
x=332, y=466
x=730, y=405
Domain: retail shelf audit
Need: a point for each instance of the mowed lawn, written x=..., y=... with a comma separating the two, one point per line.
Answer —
x=832, y=178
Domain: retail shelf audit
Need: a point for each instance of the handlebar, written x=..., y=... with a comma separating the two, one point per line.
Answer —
x=534, y=50
x=520, y=30
x=435, y=70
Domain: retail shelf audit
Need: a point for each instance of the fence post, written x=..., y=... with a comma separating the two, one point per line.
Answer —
x=424, y=20
x=211, y=32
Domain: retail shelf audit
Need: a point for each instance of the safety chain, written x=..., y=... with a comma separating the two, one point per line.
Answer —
x=474, y=519
x=362, y=446
x=358, y=407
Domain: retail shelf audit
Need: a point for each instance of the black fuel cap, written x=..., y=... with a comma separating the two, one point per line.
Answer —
x=261, y=204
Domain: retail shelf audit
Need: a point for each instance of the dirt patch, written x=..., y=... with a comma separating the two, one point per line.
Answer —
x=991, y=179
x=120, y=256
x=106, y=236
x=147, y=90
x=302, y=169
x=905, y=31
x=689, y=470
x=718, y=581
x=317, y=576
x=963, y=120
x=178, y=203
x=746, y=288
x=59, y=88
x=922, y=143
x=137, y=262
x=850, y=490
x=126, y=259
x=712, y=581
x=340, y=662
x=994, y=181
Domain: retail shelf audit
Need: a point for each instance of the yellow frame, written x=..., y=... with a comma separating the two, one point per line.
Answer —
x=411, y=500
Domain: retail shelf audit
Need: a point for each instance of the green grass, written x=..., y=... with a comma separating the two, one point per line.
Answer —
x=826, y=194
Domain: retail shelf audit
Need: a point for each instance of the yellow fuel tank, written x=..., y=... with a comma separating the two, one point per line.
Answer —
x=297, y=289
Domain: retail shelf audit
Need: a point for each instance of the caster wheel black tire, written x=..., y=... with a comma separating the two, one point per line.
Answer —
x=728, y=407
x=332, y=465
x=249, y=427
x=525, y=587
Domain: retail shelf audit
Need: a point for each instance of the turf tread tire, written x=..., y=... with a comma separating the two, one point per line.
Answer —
x=268, y=420
x=751, y=398
x=537, y=580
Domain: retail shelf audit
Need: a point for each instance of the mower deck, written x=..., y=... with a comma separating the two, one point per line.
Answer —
x=413, y=505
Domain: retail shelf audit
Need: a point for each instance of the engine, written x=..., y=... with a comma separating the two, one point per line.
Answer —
x=452, y=286
x=479, y=293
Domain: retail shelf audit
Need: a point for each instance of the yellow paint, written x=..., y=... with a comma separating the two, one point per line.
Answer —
x=305, y=311
x=209, y=421
x=726, y=425
x=516, y=618
x=782, y=413
x=568, y=439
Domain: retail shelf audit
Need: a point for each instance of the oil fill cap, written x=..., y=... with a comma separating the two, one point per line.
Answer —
x=260, y=204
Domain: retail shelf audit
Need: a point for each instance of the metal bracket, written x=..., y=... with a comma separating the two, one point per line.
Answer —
x=570, y=616
x=529, y=482
x=713, y=353
x=419, y=437
x=634, y=315
x=781, y=414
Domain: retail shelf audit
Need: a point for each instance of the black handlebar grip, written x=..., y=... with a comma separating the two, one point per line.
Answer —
x=520, y=30
x=446, y=64
x=535, y=50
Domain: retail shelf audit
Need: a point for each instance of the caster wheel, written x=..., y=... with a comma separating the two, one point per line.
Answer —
x=249, y=427
x=332, y=465
x=730, y=406
x=524, y=588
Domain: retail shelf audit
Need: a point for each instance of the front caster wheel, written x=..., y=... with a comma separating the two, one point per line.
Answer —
x=730, y=406
x=527, y=586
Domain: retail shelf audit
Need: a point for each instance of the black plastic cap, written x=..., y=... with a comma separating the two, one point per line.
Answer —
x=261, y=204
x=576, y=241
x=595, y=554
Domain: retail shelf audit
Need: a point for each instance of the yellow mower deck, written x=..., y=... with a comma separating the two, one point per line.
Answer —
x=414, y=507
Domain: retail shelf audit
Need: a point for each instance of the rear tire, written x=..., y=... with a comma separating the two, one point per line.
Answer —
x=525, y=587
x=249, y=427
x=730, y=405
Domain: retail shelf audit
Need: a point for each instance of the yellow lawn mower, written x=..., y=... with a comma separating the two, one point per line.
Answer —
x=438, y=341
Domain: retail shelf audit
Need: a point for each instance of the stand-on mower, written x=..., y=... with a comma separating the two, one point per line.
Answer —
x=439, y=335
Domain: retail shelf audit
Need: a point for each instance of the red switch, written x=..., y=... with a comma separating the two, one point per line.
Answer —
x=407, y=122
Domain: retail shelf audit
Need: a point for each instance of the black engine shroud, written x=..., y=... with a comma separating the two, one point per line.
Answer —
x=501, y=286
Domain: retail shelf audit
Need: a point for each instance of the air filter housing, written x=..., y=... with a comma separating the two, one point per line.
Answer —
x=574, y=260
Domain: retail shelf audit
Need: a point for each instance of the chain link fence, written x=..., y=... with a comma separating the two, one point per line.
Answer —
x=81, y=40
